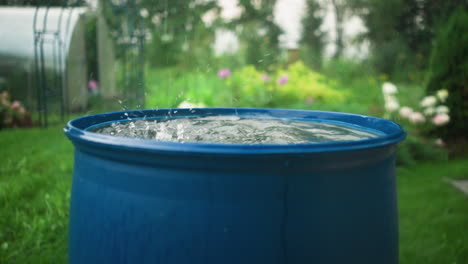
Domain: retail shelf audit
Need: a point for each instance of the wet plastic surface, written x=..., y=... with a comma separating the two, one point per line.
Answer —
x=144, y=201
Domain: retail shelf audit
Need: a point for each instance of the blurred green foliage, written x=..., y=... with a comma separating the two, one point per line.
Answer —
x=247, y=87
x=401, y=31
x=449, y=70
x=304, y=84
x=258, y=33
x=415, y=149
x=91, y=48
x=313, y=39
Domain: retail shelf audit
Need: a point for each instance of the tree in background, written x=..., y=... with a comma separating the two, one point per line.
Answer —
x=313, y=39
x=258, y=32
x=176, y=32
x=449, y=70
x=42, y=2
x=341, y=10
x=381, y=19
x=179, y=34
x=401, y=31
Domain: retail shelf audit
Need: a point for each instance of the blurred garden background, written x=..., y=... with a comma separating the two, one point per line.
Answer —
x=404, y=60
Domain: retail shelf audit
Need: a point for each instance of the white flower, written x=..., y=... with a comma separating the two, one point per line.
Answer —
x=156, y=19
x=428, y=101
x=167, y=37
x=144, y=13
x=389, y=88
x=389, y=97
x=442, y=94
x=439, y=142
x=429, y=111
x=441, y=119
x=209, y=17
x=405, y=112
x=442, y=109
x=391, y=105
x=417, y=118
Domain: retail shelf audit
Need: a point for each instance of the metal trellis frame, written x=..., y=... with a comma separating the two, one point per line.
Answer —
x=45, y=35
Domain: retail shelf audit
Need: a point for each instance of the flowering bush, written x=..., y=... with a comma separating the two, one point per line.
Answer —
x=93, y=86
x=297, y=83
x=418, y=121
x=12, y=114
x=431, y=108
x=448, y=70
x=250, y=87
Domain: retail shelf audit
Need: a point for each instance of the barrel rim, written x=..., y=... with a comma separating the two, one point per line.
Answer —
x=77, y=133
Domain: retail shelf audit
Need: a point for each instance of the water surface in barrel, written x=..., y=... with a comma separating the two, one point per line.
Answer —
x=235, y=129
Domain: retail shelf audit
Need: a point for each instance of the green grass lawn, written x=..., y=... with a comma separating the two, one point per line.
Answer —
x=35, y=177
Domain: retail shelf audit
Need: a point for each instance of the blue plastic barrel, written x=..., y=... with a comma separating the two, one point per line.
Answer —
x=143, y=201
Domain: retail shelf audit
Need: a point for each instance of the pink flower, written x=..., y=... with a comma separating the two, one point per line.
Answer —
x=417, y=118
x=283, y=79
x=441, y=119
x=265, y=77
x=309, y=100
x=16, y=105
x=224, y=73
x=93, y=85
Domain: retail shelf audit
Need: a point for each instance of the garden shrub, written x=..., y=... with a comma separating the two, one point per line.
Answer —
x=304, y=84
x=414, y=149
x=388, y=56
x=249, y=88
x=417, y=120
x=245, y=87
x=449, y=70
x=12, y=114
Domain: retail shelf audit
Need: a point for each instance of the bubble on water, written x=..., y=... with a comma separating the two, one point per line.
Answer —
x=234, y=129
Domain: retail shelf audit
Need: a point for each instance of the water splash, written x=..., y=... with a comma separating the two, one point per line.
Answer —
x=234, y=129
